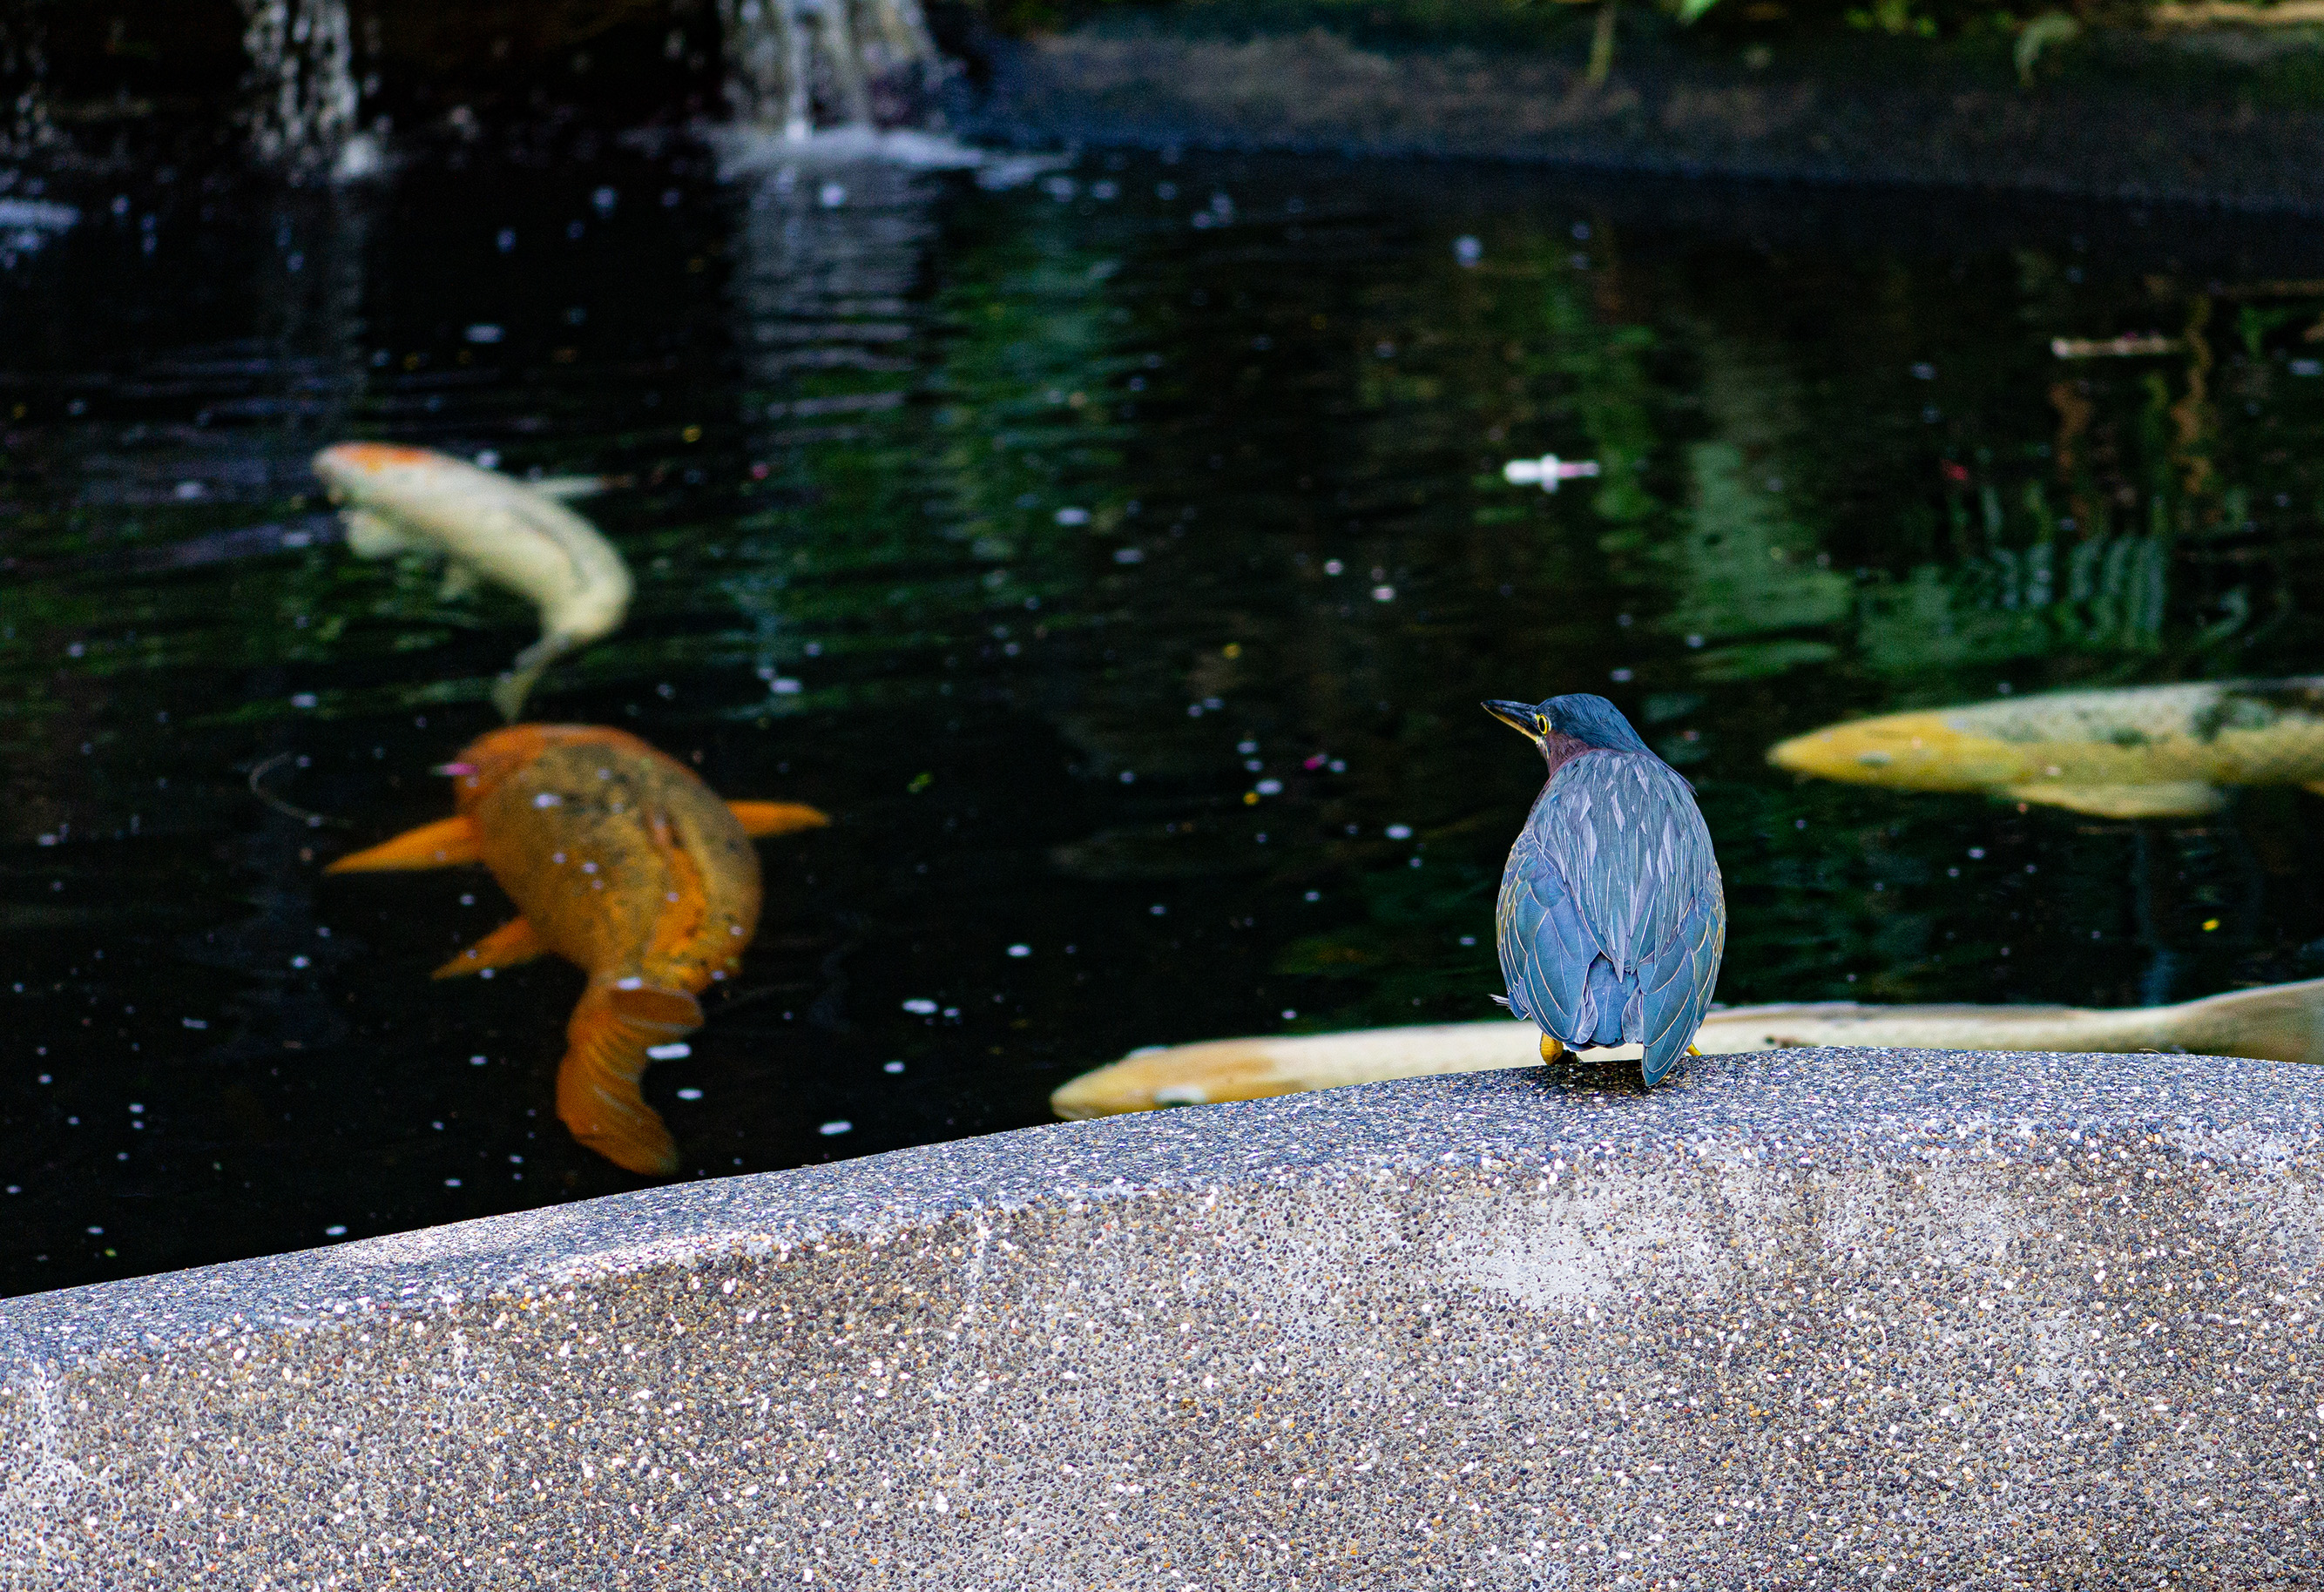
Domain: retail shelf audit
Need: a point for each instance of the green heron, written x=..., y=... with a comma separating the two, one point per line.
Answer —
x=1611, y=919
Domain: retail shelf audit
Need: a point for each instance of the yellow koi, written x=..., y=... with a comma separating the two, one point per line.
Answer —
x=2154, y=751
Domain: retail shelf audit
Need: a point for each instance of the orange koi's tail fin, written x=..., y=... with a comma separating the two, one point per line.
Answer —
x=444, y=843
x=763, y=818
x=605, y=1055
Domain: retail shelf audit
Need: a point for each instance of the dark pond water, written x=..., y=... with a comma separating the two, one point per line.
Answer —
x=1120, y=560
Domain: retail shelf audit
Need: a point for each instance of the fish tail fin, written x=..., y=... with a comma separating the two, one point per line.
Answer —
x=512, y=688
x=445, y=844
x=2280, y=1023
x=764, y=818
x=597, y=1093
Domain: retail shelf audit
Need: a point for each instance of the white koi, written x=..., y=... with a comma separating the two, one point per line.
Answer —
x=486, y=527
x=2280, y=1022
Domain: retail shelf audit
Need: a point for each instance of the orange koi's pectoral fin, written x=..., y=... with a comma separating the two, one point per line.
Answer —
x=605, y=1055
x=445, y=844
x=505, y=946
x=765, y=818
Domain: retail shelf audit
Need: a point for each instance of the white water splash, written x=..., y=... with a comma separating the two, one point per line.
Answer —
x=744, y=150
x=25, y=224
x=303, y=96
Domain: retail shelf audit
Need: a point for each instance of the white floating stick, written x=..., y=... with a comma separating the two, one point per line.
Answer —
x=1547, y=470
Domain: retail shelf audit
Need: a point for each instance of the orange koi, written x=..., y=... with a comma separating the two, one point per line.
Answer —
x=623, y=862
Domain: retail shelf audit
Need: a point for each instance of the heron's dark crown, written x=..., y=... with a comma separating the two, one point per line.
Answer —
x=1593, y=721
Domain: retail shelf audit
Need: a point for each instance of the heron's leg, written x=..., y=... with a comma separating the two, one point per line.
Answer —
x=1553, y=1048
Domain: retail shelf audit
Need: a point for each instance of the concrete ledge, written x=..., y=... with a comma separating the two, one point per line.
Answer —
x=1845, y=119
x=1828, y=1317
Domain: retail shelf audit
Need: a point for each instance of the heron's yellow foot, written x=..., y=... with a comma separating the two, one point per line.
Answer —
x=1692, y=1052
x=1552, y=1047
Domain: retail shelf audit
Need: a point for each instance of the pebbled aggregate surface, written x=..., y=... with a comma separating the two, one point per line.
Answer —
x=1806, y=1319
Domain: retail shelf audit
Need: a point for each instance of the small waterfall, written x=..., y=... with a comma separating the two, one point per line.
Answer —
x=25, y=125
x=793, y=65
x=303, y=95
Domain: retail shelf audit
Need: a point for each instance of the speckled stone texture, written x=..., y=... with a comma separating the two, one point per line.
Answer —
x=1812, y=1319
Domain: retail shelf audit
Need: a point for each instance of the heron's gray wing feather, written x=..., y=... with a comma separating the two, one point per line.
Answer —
x=1546, y=949
x=1677, y=984
x=1624, y=828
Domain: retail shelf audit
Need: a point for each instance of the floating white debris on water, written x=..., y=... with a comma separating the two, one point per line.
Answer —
x=689, y=1094
x=360, y=158
x=37, y=213
x=1468, y=251
x=1073, y=517
x=1546, y=471
x=891, y=1067
x=671, y=1052
x=833, y=1129
x=1020, y=951
x=2125, y=346
x=923, y=1008
x=26, y=224
x=1398, y=831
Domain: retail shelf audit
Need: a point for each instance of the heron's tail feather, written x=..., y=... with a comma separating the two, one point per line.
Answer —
x=1605, y=998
